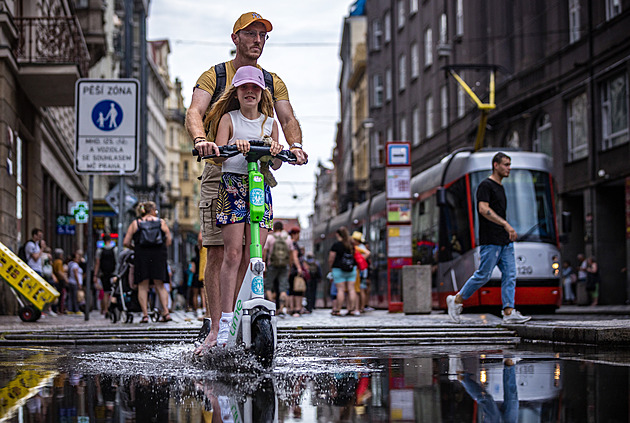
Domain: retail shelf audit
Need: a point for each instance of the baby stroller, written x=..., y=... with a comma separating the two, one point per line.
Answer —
x=124, y=296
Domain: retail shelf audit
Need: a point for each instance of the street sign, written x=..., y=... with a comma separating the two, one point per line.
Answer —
x=65, y=225
x=107, y=126
x=113, y=198
x=81, y=212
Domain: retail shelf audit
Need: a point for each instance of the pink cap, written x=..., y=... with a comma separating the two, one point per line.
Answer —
x=248, y=75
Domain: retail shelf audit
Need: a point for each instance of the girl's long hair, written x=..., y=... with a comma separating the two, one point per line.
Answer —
x=228, y=102
x=345, y=238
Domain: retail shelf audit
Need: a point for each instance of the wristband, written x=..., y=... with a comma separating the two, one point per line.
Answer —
x=199, y=138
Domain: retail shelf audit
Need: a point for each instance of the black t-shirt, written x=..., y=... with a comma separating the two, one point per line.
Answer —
x=339, y=248
x=492, y=193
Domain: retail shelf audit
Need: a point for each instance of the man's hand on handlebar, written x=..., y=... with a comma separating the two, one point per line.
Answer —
x=207, y=148
x=300, y=155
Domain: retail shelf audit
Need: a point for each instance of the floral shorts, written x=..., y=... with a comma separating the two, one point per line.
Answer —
x=233, y=204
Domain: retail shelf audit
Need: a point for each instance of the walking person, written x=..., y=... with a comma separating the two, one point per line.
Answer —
x=361, y=256
x=75, y=282
x=249, y=34
x=315, y=273
x=568, y=279
x=496, y=237
x=296, y=293
x=344, y=272
x=106, y=260
x=151, y=237
x=277, y=257
x=62, y=279
x=592, y=280
x=33, y=251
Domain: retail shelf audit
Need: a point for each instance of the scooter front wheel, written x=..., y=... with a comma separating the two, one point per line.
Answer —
x=263, y=346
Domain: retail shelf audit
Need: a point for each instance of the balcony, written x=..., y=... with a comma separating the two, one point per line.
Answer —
x=52, y=55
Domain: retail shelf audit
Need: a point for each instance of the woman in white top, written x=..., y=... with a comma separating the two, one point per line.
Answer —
x=75, y=281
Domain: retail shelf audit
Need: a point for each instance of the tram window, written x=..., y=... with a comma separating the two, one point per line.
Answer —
x=425, y=231
x=455, y=238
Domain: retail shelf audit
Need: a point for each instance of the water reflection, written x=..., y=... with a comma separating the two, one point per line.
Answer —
x=163, y=384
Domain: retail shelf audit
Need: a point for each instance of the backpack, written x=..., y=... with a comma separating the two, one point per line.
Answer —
x=280, y=255
x=313, y=269
x=150, y=233
x=220, y=73
x=362, y=264
x=347, y=261
x=22, y=252
x=108, y=261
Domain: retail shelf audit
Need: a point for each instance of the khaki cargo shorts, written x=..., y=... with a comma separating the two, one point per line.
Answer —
x=210, y=179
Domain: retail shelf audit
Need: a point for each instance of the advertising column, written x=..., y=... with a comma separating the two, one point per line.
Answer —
x=399, y=251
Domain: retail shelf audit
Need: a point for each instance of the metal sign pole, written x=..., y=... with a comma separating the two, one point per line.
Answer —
x=121, y=211
x=90, y=250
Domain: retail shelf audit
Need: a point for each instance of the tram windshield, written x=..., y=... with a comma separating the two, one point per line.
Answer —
x=529, y=209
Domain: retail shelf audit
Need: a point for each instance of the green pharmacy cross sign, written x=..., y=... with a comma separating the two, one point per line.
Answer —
x=80, y=212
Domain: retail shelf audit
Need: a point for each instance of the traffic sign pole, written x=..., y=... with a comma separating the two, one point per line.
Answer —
x=90, y=251
x=121, y=211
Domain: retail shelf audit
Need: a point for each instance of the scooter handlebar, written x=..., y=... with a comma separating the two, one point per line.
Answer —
x=257, y=150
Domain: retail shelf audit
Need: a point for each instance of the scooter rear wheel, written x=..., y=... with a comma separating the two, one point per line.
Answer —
x=262, y=341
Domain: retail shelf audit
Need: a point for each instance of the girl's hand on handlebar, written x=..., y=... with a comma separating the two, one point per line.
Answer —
x=207, y=148
x=275, y=147
x=242, y=145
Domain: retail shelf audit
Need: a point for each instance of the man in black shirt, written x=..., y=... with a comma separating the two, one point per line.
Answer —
x=496, y=237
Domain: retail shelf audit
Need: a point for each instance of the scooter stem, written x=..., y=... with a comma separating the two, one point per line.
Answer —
x=256, y=207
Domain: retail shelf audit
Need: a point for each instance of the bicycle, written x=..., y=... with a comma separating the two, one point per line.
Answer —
x=254, y=322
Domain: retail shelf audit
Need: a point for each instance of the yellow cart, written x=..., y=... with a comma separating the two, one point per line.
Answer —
x=31, y=290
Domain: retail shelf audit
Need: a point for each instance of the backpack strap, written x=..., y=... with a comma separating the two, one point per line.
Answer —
x=269, y=83
x=221, y=78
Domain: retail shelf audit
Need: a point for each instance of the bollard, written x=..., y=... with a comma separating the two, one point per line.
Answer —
x=416, y=282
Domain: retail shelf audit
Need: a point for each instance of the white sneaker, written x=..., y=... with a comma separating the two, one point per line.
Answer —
x=454, y=309
x=515, y=317
x=224, y=331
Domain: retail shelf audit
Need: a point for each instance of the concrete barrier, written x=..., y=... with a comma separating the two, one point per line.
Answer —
x=416, y=281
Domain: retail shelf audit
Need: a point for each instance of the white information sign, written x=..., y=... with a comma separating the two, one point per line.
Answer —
x=399, y=241
x=399, y=182
x=107, y=126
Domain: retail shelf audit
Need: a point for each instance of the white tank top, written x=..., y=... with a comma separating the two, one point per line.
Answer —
x=245, y=129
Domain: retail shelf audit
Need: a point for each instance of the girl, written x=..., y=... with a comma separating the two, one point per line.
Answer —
x=244, y=112
x=344, y=271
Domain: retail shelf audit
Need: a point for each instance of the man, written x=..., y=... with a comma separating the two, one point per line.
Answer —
x=496, y=237
x=249, y=35
x=33, y=250
x=104, y=268
x=277, y=255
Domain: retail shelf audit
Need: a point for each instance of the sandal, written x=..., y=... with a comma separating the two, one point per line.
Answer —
x=145, y=319
x=335, y=313
x=167, y=318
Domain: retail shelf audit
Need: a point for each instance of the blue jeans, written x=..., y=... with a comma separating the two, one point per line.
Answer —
x=491, y=256
x=488, y=409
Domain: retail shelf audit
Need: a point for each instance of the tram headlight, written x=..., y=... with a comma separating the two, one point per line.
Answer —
x=555, y=265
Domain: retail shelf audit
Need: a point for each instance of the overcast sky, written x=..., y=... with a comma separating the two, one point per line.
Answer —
x=303, y=49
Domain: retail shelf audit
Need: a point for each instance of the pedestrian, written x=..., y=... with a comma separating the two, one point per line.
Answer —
x=151, y=237
x=249, y=34
x=296, y=289
x=496, y=237
x=592, y=280
x=344, y=271
x=361, y=256
x=568, y=280
x=62, y=279
x=106, y=262
x=315, y=276
x=582, y=294
x=75, y=282
x=277, y=257
x=33, y=251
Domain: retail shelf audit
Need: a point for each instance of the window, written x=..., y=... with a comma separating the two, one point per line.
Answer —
x=185, y=174
x=388, y=84
x=402, y=72
x=614, y=94
x=459, y=18
x=378, y=145
x=429, y=116
x=543, y=140
x=574, y=20
x=443, y=29
x=444, y=106
x=613, y=8
x=415, y=60
x=413, y=6
x=172, y=172
x=186, y=207
x=388, y=26
x=377, y=34
x=577, y=129
x=461, y=101
x=403, y=128
x=377, y=85
x=428, y=47
x=401, y=14
x=389, y=134
x=415, y=126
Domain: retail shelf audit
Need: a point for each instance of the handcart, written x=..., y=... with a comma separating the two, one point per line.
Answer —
x=31, y=290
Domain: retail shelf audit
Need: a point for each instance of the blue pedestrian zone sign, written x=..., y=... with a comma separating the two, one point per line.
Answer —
x=107, y=115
